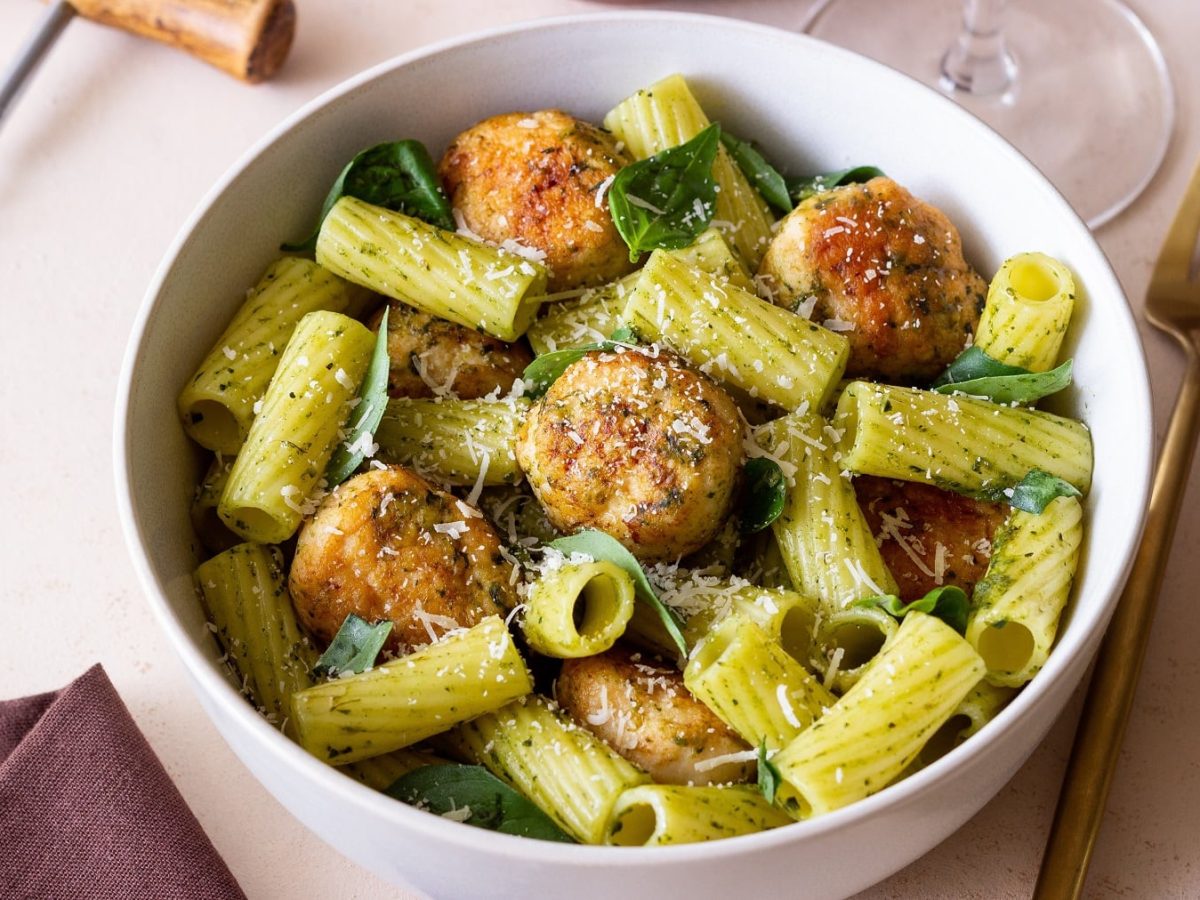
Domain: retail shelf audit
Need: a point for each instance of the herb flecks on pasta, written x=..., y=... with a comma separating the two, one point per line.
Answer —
x=616, y=555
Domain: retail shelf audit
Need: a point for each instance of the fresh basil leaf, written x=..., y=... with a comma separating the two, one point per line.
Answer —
x=546, y=368
x=399, y=175
x=1034, y=492
x=666, y=200
x=600, y=546
x=474, y=792
x=1025, y=388
x=766, y=491
x=760, y=173
x=948, y=603
x=354, y=648
x=973, y=364
x=801, y=189
x=974, y=372
x=769, y=775
x=366, y=416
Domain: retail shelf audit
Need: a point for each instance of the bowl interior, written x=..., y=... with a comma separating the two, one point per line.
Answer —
x=811, y=106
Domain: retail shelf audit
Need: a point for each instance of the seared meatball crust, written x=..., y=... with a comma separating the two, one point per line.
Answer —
x=431, y=356
x=641, y=709
x=374, y=548
x=885, y=269
x=638, y=446
x=537, y=178
x=923, y=518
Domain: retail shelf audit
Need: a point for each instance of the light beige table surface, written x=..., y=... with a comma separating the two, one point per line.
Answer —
x=112, y=147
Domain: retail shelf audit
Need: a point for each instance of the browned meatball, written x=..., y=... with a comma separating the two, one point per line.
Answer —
x=642, y=710
x=884, y=268
x=923, y=531
x=638, y=446
x=432, y=356
x=388, y=545
x=536, y=178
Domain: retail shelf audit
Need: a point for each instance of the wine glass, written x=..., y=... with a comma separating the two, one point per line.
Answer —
x=1078, y=86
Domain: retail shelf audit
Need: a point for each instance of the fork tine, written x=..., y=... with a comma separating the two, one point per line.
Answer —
x=1175, y=258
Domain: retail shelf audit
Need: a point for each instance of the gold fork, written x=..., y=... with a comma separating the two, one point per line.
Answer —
x=1173, y=306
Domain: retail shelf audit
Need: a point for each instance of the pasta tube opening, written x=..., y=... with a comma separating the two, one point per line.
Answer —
x=945, y=739
x=598, y=604
x=1028, y=311
x=658, y=814
x=858, y=641
x=579, y=610
x=796, y=633
x=1006, y=647
x=712, y=648
x=213, y=425
x=1033, y=280
x=850, y=639
x=635, y=826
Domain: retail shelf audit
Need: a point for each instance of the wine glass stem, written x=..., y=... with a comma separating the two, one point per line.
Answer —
x=979, y=62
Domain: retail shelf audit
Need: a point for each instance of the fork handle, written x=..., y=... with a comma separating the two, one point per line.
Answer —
x=1114, y=681
x=249, y=39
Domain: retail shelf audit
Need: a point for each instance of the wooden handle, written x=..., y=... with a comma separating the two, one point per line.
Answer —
x=249, y=39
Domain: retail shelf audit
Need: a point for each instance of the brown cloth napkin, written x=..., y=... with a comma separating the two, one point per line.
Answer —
x=86, y=809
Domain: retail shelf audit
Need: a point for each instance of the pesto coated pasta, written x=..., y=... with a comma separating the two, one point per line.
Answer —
x=689, y=577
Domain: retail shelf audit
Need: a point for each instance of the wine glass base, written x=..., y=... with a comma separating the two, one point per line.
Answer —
x=1092, y=104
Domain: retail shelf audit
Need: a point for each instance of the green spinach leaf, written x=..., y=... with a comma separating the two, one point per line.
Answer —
x=1034, y=492
x=399, y=175
x=948, y=603
x=975, y=373
x=1025, y=388
x=769, y=775
x=800, y=189
x=366, y=416
x=600, y=546
x=666, y=200
x=973, y=364
x=354, y=648
x=546, y=369
x=473, y=795
x=760, y=173
x=766, y=492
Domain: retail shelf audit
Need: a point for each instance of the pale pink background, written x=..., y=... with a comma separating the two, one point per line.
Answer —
x=115, y=143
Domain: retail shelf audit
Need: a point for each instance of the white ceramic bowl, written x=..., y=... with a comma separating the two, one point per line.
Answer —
x=815, y=108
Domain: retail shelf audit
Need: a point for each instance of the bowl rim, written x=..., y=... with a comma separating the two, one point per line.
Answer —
x=211, y=683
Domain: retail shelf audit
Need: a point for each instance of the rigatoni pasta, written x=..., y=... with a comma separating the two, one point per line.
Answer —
x=690, y=568
x=654, y=815
x=755, y=687
x=735, y=337
x=964, y=444
x=246, y=597
x=206, y=522
x=876, y=729
x=1028, y=309
x=588, y=319
x=571, y=775
x=295, y=433
x=463, y=442
x=829, y=551
x=579, y=609
x=666, y=114
x=437, y=271
x=380, y=772
x=220, y=400
x=1021, y=598
x=847, y=640
x=400, y=703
